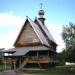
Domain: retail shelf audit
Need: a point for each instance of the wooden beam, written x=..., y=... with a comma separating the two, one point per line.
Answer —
x=44, y=61
x=48, y=53
x=20, y=61
x=37, y=55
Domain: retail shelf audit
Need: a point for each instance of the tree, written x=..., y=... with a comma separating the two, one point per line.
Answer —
x=62, y=57
x=68, y=35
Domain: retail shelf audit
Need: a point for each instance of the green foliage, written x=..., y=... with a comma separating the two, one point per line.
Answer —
x=68, y=35
x=62, y=57
x=70, y=55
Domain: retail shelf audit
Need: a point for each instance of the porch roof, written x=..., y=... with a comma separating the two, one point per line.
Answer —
x=24, y=50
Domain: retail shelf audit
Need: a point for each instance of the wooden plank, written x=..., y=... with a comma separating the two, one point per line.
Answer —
x=38, y=62
x=28, y=35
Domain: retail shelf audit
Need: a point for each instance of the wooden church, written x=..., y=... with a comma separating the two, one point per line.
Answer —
x=34, y=46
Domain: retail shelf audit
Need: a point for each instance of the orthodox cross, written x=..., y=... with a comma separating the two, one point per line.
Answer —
x=41, y=5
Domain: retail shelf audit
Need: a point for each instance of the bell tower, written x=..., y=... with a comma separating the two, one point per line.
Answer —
x=41, y=14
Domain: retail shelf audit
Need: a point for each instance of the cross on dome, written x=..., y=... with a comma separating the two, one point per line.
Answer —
x=41, y=12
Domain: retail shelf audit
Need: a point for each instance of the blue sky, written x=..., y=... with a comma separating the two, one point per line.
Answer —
x=13, y=14
x=58, y=11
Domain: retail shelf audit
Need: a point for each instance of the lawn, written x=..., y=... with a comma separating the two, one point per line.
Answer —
x=2, y=67
x=59, y=70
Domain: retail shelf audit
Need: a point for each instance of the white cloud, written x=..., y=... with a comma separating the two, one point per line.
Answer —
x=7, y=40
x=7, y=19
x=56, y=31
x=10, y=19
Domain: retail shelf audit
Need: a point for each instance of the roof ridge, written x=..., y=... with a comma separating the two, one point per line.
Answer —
x=46, y=31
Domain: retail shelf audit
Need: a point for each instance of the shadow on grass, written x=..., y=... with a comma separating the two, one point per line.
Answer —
x=59, y=70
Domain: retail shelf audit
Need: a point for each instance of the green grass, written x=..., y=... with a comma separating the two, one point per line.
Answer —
x=59, y=70
x=2, y=67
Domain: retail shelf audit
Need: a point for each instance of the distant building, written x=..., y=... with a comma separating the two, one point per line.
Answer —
x=34, y=46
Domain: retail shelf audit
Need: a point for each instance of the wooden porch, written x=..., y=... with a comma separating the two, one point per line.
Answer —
x=32, y=57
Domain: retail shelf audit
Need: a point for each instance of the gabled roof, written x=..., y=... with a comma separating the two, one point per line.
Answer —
x=37, y=31
x=46, y=31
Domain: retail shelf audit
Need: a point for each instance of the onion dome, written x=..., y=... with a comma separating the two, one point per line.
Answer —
x=41, y=12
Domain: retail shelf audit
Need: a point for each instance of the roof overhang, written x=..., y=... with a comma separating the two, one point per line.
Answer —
x=24, y=50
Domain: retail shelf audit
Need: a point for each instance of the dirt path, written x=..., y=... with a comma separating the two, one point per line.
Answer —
x=9, y=73
x=14, y=73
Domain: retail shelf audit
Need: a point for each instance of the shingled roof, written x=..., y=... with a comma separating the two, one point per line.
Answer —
x=46, y=31
x=24, y=50
x=38, y=32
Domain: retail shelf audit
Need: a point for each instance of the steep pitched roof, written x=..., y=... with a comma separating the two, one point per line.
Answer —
x=46, y=31
x=37, y=31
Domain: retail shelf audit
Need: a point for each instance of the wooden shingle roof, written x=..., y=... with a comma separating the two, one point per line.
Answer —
x=46, y=31
x=24, y=50
x=38, y=32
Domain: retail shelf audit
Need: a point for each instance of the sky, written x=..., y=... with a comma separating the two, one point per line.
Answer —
x=13, y=14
